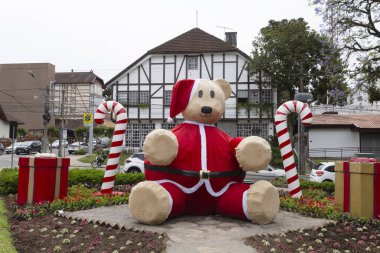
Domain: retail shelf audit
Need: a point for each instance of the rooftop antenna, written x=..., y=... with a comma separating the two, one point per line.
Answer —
x=196, y=19
x=224, y=28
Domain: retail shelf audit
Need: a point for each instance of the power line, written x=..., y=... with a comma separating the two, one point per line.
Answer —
x=16, y=99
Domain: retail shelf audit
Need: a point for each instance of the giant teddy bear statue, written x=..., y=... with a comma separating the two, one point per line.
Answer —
x=198, y=169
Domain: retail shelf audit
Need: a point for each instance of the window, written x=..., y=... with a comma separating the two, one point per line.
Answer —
x=167, y=97
x=167, y=126
x=254, y=97
x=122, y=97
x=192, y=62
x=134, y=97
x=144, y=97
x=266, y=96
x=136, y=133
x=330, y=169
x=252, y=129
x=242, y=96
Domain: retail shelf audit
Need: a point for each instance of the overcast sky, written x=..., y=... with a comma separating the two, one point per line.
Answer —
x=107, y=36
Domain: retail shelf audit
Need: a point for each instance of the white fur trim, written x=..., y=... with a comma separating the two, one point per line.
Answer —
x=203, y=147
x=219, y=193
x=244, y=203
x=183, y=188
x=197, y=123
x=170, y=120
x=194, y=89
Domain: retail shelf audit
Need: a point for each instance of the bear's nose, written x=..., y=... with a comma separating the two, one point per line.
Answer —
x=206, y=109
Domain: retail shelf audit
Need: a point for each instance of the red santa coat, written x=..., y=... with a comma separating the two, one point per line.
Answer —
x=201, y=147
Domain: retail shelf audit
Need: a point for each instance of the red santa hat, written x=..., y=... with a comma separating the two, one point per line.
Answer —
x=182, y=93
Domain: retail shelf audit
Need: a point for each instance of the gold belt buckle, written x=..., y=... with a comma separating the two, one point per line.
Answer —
x=204, y=174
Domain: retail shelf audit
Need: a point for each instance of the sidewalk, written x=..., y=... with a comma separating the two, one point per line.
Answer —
x=205, y=234
x=75, y=163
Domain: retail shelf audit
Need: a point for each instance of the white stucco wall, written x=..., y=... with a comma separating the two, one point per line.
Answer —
x=4, y=129
x=333, y=142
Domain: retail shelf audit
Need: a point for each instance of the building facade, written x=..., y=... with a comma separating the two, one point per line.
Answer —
x=73, y=94
x=145, y=87
x=23, y=91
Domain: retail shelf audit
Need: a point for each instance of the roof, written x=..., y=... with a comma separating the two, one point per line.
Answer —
x=76, y=78
x=8, y=118
x=194, y=41
x=359, y=121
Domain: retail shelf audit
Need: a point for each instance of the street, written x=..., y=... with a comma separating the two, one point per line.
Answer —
x=6, y=159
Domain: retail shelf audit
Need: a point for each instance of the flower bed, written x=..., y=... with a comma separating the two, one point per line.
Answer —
x=349, y=234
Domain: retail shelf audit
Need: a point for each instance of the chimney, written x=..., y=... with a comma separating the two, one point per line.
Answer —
x=231, y=38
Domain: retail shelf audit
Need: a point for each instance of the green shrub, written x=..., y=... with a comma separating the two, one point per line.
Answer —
x=128, y=178
x=89, y=177
x=328, y=187
x=81, y=151
x=8, y=181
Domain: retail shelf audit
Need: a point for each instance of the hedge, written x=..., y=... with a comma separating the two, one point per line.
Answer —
x=90, y=177
x=328, y=187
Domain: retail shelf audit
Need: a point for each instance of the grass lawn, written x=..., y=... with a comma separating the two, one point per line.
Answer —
x=91, y=158
x=6, y=244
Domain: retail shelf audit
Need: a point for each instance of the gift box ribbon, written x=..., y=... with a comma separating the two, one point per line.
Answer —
x=31, y=179
x=346, y=187
x=376, y=194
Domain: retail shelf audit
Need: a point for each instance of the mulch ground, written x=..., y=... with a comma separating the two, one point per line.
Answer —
x=344, y=237
x=57, y=234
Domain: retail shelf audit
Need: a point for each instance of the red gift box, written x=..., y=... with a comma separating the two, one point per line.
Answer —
x=42, y=179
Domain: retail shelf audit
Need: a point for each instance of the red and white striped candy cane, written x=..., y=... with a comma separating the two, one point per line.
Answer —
x=280, y=119
x=117, y=140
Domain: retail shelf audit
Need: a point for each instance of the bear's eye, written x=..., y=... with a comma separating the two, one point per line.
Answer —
x=200, y=93
x=212, y=94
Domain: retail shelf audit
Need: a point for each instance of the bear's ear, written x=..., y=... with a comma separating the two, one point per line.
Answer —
x=225, y=86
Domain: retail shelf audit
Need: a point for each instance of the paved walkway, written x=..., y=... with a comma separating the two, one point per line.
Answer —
x=206, y=234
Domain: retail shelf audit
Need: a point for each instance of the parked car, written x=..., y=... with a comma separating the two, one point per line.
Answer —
x=134, y=163
x=55, y=144
x=104, y=142
x=75, y=146
x=324, y=172
x=29, y=147
x=10, y=149
x=270, y=173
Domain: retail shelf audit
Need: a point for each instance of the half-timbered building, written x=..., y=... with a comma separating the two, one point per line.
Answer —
x=145, y=86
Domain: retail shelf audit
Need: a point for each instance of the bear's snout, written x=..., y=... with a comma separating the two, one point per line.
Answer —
x=206, y=109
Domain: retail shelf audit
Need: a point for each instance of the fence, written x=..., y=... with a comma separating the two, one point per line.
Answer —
x=342, y=152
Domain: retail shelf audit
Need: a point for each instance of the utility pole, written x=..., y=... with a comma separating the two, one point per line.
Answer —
x=46, y=118
x=62, y=124
x=46, y=115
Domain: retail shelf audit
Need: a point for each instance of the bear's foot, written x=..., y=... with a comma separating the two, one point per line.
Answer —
x=263, y=202
x=150, y=203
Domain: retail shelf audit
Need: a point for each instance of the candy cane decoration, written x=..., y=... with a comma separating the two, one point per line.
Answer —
x=117, y=141
x=280, y=118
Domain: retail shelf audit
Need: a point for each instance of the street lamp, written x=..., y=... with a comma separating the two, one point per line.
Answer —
x=304, y=97
x=46, y=115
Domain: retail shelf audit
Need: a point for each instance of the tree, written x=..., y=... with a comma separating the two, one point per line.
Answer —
x=21, y=132
x=355, y=26
x=107, y=93
x=296, y=57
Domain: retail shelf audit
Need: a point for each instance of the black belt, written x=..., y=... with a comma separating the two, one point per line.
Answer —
x=190, y=173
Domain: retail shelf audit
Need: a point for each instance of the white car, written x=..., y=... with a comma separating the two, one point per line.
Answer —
x=134, y=163
x=75, y=146
x=325, y=172
x=55, y=143
x=9, y=149
x=270, y=173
